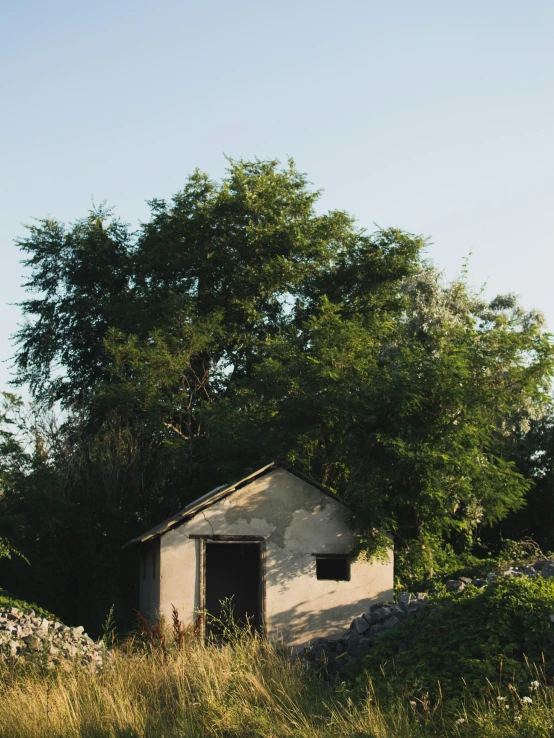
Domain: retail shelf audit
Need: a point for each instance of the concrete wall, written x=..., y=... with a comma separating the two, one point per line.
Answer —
x=297, y=521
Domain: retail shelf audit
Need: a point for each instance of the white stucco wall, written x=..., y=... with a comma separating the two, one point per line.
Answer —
x=298, y=521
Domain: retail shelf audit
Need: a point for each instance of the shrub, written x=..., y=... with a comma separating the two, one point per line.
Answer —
x=463, y=640
x=8, y=600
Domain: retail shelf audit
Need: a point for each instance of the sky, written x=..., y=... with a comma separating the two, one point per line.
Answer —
x=435, y=117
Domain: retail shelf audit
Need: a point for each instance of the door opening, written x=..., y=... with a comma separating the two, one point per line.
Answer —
x=233, y=575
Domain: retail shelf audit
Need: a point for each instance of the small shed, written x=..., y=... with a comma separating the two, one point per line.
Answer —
x=277, y=544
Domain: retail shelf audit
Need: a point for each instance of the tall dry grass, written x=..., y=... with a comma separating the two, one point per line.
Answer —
x=245, y=688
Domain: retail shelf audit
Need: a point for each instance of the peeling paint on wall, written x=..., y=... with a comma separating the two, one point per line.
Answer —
x=269, y=505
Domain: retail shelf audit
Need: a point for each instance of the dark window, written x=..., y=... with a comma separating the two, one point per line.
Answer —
x=333, y=567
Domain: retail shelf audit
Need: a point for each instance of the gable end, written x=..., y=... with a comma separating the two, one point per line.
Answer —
x=219, y=493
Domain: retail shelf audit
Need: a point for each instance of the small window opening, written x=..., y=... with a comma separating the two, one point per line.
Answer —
x=336, y=568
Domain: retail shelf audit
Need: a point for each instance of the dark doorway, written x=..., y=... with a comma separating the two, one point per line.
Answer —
x=233, y=574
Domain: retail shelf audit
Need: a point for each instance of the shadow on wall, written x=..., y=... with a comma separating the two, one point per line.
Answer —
x=299, y=622
x=286, y=570
x=269, y=502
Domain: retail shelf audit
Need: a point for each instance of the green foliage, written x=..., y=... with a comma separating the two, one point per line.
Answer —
x=81, y=283
x=7, y=550
x=108, y=629
x=534, y=456
x=426, y=561
x=8, y=600
x=463, y=640
x=138, y=335
x=35, y=514
x=415, y=562
x=411, y=414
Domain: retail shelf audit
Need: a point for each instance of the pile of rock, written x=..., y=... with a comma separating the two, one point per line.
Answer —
x=334, y=654
x=27, y=638
x=541, y=568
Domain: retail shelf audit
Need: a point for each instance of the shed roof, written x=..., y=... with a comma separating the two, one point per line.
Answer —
x=219, y=493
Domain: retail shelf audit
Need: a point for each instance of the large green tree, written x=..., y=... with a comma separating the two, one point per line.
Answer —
x=138, y=334
x=239, y=324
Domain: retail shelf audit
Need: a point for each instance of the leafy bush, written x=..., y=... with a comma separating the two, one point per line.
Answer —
x=426, y=562
x=7, y=550
x=465, y=639
x=433, y=556
x=8, y=600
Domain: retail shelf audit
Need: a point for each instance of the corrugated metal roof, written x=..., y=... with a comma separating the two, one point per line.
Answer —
x=219, y=493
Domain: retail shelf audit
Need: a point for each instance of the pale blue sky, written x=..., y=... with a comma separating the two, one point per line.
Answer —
x=437, y=117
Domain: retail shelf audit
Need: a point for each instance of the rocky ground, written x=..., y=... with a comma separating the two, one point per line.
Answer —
x=26, y=638
x=335, y=654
